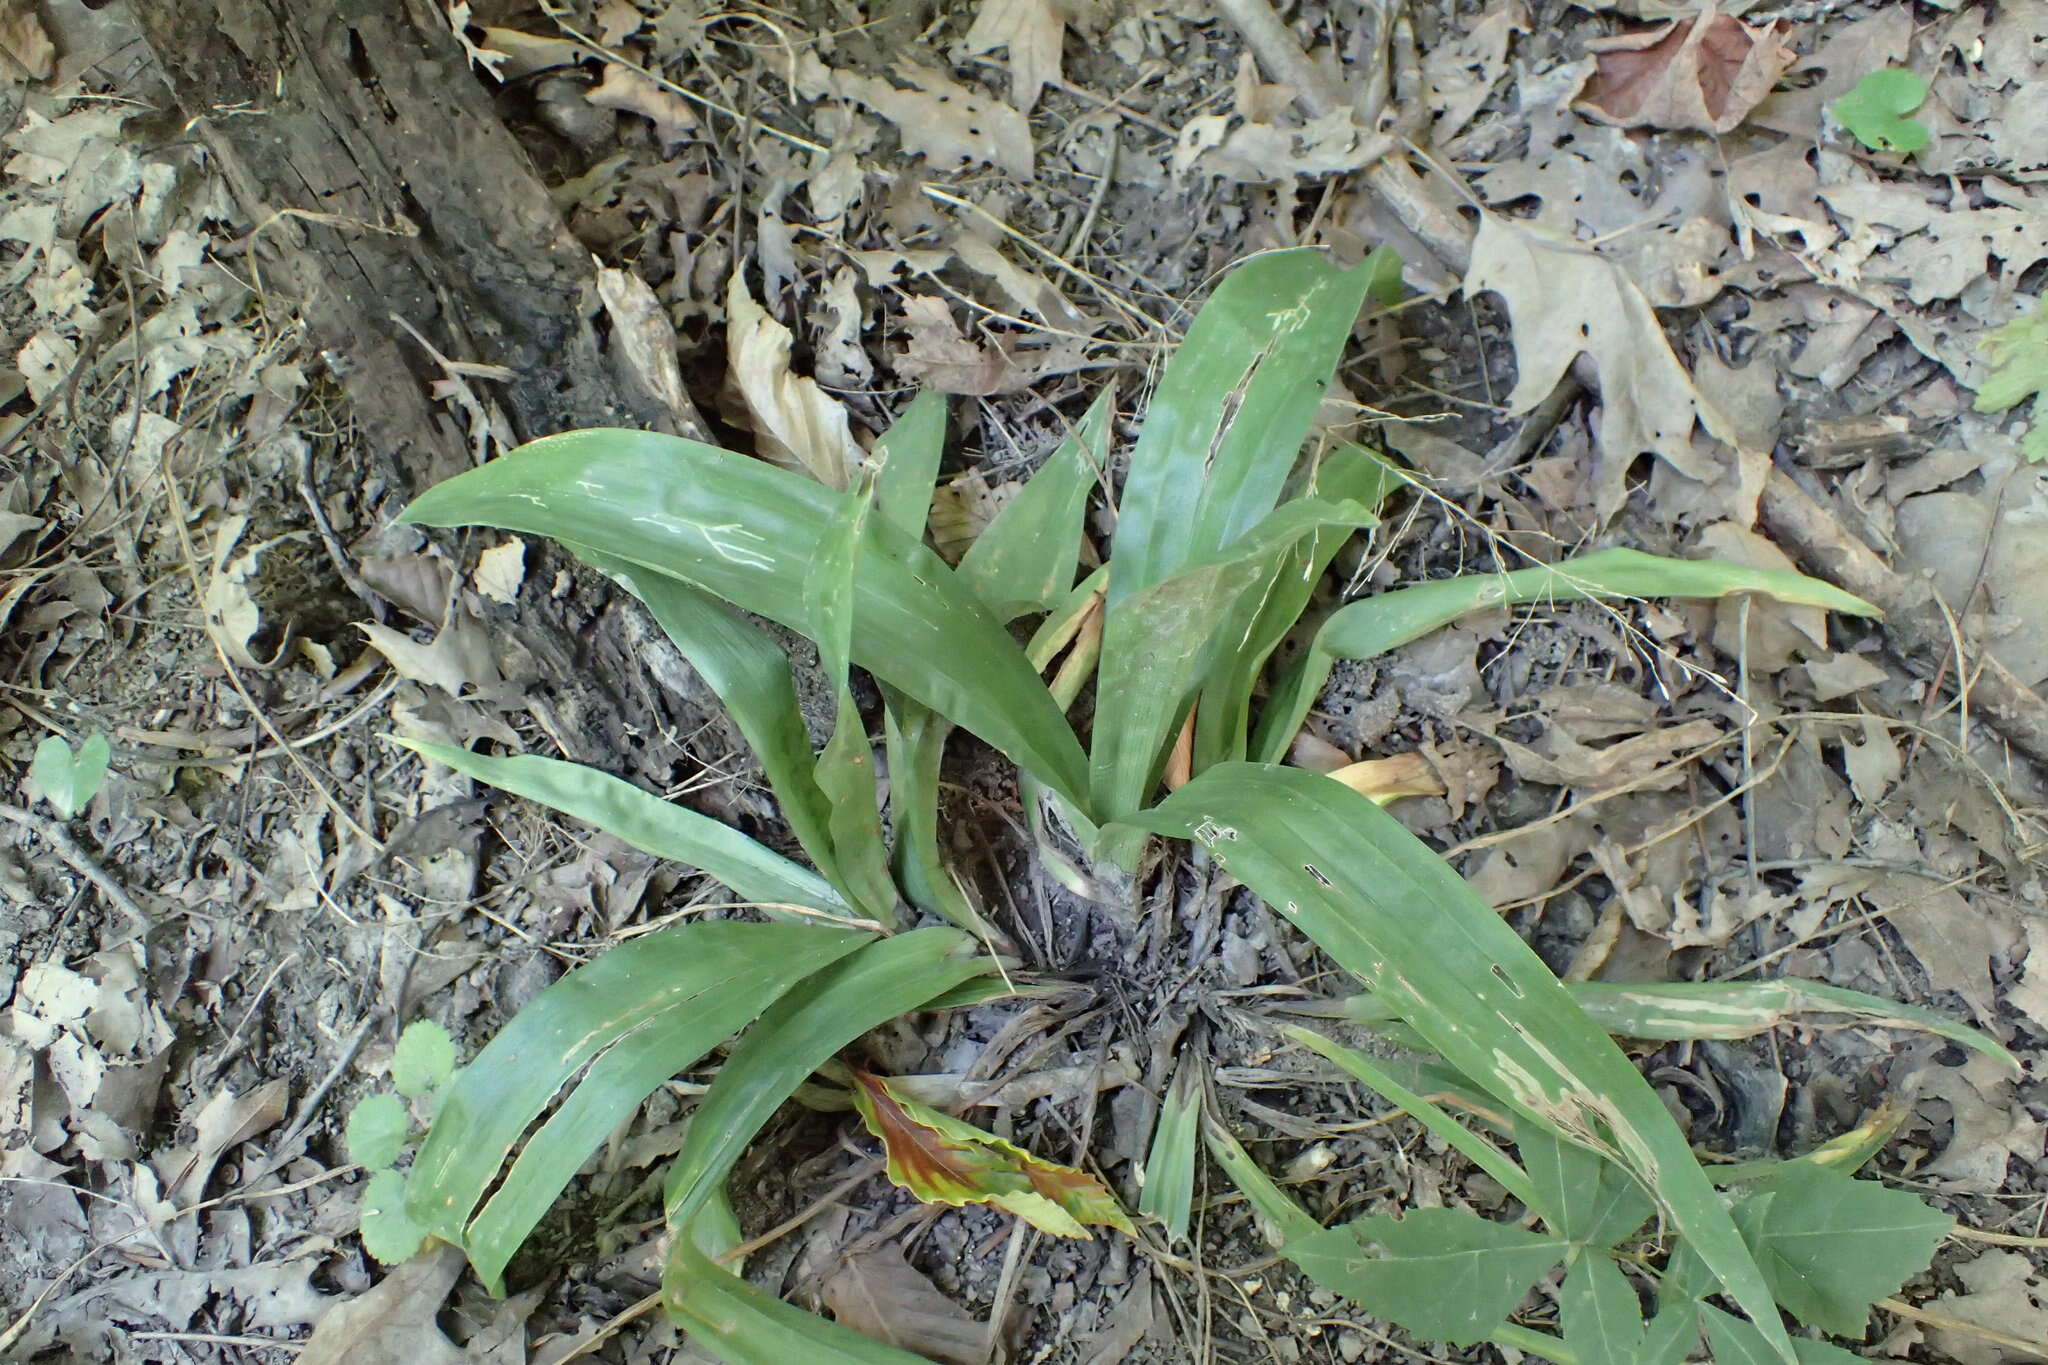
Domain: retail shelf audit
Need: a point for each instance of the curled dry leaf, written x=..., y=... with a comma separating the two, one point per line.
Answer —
x=797, y=424
x=1383, y=779
x=944, y=1161
x=22, y=38
x=635, y=94
x=938, y=355
x=884, y=1297
x=1704, y=73
x=948, y=124
x=1033, y=31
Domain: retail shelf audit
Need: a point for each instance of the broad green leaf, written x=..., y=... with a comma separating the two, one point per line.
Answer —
x=423, y=1060
x=1875, y=109
x=1222, y=430
x=1430, y=1115
x=1682, y=1010
x=1443, y=1274
x=662, y=1000
x=1831, y=1245
x=944, y=1161
x=1169, y=1190
x=1602, y=1320
x=1370, y=627
x=744, y=531
x=1158, y=645
x=377, y=1129
x=1349, y=472
x=1582, y=1195
x=1024, y=560
x=798, y=1034
x=66, y=780
x=757, y=874
x=741, y=1325
x=1383, y=269
x=845, y=770
x=1736, y=1342
x=1394, y=914
x=907, y=464
x=2018, y=353
x=749, y=673
x=389, y=1232
x=916, y=744
x=1845, y=1152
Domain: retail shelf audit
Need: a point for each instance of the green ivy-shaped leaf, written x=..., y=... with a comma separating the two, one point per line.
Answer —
x=423, y=1060
x=2018, y=353
x=377, y=1129
x=66, y=780
x=388, y=1233
x=1831, y=1245
x=1875, y=111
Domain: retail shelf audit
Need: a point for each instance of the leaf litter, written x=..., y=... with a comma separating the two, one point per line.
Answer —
x=1889, y=840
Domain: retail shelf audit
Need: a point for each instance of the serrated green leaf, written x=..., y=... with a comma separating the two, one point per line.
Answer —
x=1024, y=560
x=1875, y=108
x=1390, y=911
x=1443, y=1274
x=751, y=677
x=1582, y=1195
x=798, y=1034
x=1168, y=1193
x=67, y=780
x=377, y=1129
x=744, y=531
x=1430, y=1115
x=757, y=874
x=1368, y=628
x=388, y=1231
x=1832, y=1245
x=423, y=1060
x=624, y=1023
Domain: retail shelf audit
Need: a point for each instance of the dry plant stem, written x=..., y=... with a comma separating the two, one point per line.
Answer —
x=1950, y=1323
x=1814, y=535
x=81, y=862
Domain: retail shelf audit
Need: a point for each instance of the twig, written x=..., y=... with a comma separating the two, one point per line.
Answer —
x=68, y=848
x=1948, y=1322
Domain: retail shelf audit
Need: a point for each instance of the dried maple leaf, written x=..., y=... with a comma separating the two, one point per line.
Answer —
x=944, y=1161
x=1705, y=73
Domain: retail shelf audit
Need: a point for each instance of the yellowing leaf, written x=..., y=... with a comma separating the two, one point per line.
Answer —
x=944, y=1161
x=1383, y=779
x=798, y=425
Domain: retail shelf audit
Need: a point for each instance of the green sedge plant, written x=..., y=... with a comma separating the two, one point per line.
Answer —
x=1224, y=526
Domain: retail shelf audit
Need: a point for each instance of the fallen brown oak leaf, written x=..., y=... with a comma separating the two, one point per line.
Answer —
x=1705, y=73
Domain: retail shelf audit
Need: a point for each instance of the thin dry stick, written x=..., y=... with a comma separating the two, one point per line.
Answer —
x=81, y=862
x=1948, y=1322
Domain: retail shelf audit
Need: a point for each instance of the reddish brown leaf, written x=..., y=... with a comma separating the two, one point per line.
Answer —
x=944, y=1161
x=1705, y=73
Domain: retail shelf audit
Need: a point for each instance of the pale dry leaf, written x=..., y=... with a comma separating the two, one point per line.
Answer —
x=46, y=362
x=1704, y=73
x=948, y=124
x=632, y=92
x=1873, y=763
x=796, y=424
x=1562, y=761
x=962, y=510
x=939, y=356
x=226, y=1120
x=2001, y=1292
x=500, y=570
x=1562, y=300
x=1459, y=74
x=1778, y=633
x=1027, y=291
x=482, y=58
x=525, y=53
x=1268, y=154
x=228, y=605
x=885, y=1298
x=25, y=41
x=458, y=658
x=646, y=340
x=1834, y=676
x=618, y=20
x=1033, y=32
x=394, y=1323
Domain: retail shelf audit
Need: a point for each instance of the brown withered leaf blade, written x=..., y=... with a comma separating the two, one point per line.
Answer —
x=884, y=1297
x=944, y=1161
x=1705, y=73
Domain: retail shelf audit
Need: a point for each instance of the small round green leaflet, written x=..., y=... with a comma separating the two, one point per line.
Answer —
x=1875, y=111
x=389, y=1233
x=423, y=1060
x=377, y=1129
x=66, y=780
